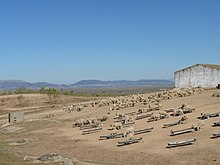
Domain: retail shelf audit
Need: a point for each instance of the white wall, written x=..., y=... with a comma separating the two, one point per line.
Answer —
x=197, y=76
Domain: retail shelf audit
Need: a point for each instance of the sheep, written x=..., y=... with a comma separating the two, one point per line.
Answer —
x=78, y=123
x=177, y=112
x=216, y=94
x=98, y=123
x=117, y=126
x=128, y=119
x=93, y=119
x=159, y=106
x=129, y=133
x=114, y=131
x=184, y=119
x=120, y=115
x=200, y=124
x=103, y=118
x=142, y=110
x=111, y=109
x=153, y=117
x=187, y=108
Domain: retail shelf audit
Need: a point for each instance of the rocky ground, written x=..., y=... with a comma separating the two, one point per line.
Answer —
x=49, y=131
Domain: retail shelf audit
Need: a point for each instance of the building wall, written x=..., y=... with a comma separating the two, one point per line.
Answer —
x=196, y=76
x=16, y=117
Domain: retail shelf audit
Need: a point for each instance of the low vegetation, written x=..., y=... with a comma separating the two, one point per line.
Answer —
x=11, y=159
x=88, y=92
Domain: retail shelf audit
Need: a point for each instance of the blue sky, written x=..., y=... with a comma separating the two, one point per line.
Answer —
x=64, y=41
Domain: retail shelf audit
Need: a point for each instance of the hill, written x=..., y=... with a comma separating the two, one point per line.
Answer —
x=118, y=83
x=15, y=84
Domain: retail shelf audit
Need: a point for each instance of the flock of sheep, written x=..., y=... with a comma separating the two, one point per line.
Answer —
x=121, y=102
x=151, y=103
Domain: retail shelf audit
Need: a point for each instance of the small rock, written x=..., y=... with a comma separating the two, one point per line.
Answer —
x=24, y=141
x=51, y=157
x=29, y=158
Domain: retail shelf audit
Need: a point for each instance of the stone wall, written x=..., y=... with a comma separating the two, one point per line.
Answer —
x=197, y=76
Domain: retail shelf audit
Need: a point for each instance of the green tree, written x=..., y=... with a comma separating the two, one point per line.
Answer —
x=20, y=90
x=52, y=93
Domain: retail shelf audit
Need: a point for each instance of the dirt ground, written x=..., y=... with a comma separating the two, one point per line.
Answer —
x=51, y=132
x=36, y=102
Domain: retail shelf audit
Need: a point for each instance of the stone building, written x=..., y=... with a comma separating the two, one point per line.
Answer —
x=199, y=75
x=14, y=117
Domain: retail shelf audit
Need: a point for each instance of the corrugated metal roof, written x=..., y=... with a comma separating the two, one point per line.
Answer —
x=215, y=66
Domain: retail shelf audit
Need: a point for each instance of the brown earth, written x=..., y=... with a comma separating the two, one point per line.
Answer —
x=36, y=102
x=54, y=133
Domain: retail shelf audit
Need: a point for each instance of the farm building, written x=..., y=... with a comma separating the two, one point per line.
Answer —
x=199, y=75
x=14, y=117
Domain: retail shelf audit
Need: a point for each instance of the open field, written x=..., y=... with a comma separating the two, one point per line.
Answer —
x=36, y=102
x=122, y=90
x=50, y=130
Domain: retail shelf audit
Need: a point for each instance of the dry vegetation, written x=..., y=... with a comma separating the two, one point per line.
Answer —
x=50, y=130
x=36, y=101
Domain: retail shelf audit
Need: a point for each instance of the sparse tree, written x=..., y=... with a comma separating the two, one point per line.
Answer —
x=20, y=99
x=52, y=93
x=42, y=90
x=20, y=90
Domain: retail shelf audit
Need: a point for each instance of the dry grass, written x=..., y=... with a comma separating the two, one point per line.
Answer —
x=34, y=101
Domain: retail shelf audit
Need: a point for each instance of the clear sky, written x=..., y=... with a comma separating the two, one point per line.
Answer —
x=64, y=41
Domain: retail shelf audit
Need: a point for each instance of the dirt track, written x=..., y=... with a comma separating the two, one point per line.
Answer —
x=55, y=134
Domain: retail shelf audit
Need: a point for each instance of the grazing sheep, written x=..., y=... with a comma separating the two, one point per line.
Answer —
x=200, y=124
x=103, y=118
x=93, y=119
x=216, y=94
x=142, y=110
x=120, y=115
x=116, y=126
x=79, y=123
x=129, y=133
x=184, y=119
x=159, y=106
x=114, y=131
x=153, y=117
x=98, y=123
x=177, y=112
x=128, y=119
x=111, y=109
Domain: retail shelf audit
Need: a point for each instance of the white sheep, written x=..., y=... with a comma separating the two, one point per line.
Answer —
x=129, y=133
x=128, y=119
x=117, y=126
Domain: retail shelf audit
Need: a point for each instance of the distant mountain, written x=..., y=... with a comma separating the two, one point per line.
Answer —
x=48, y=85
x=15, y=84
x=99, y=83
x=87, y=82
